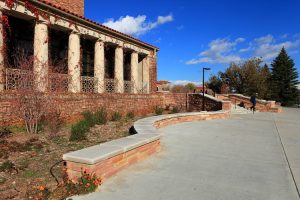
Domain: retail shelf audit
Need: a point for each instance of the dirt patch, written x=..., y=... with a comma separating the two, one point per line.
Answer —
x=30, y=157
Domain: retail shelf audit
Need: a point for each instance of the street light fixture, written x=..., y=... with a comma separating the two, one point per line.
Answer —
x=203, y=100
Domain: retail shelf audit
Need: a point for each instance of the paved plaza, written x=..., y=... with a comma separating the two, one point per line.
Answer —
x=245, y=157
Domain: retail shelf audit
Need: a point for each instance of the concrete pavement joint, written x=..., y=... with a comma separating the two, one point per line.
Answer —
x=287, y=160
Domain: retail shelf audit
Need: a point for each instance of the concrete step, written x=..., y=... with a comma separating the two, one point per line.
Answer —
x=240, y=110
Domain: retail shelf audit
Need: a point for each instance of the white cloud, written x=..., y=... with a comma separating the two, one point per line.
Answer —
x=238, y=40
x=267, y=48
x=264, y=40
x=136, y=25
x=225, y=51
x=297, y=35
x=184, y=82
x=219, y=52
x=245, y=49
x=158, y=40
x=284, y=36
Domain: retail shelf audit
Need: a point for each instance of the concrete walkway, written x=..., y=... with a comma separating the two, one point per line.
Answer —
x=237, y=159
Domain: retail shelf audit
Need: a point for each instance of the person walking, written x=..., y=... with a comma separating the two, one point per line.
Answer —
x=253, y=101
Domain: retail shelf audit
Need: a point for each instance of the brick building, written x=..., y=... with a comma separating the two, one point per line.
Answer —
x=69, y=52
x=76, y=63
x=163, y=86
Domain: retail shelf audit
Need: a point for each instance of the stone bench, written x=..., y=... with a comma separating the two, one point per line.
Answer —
x=108, y=158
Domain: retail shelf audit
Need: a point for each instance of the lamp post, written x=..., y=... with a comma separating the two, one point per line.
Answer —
x=203, y=100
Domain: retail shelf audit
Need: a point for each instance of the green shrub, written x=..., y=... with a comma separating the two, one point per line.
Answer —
x=78, y=131
x=89, y=118
x=130, y=115
x=175, y=109
x=100, y=116
x=116, y=116
x=158, y=110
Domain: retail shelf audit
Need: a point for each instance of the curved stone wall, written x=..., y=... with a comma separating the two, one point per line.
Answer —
x=108, y=158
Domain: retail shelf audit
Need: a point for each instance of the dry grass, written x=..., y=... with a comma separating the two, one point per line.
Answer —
x=33, y=156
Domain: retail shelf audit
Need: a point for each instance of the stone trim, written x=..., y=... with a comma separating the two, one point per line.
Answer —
x=108, y=158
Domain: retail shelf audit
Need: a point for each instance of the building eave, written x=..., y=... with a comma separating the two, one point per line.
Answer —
x=44, y=5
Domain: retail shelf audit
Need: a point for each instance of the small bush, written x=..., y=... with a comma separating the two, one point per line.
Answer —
x=158, y=110
x=78, y=131
x=116, y=116
x=89, y=118
x=175, y=109
x=87, y=183
x=130, y=115
x=100, y=116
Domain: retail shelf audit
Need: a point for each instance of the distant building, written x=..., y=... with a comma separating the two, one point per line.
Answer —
x=163, y=86
x=199, y=89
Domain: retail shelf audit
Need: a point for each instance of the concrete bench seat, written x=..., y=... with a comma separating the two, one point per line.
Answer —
x=95, y=154
x=108, y=158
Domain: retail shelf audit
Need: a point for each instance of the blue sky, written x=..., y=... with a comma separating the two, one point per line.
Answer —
x=210, y=33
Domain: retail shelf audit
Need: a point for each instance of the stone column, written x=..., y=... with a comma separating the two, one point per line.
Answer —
x=2, y=77
x=135, y=71
x=119, y=69
x=40, y=66
x=146, y=75
x=74, y=62
x=99, y=66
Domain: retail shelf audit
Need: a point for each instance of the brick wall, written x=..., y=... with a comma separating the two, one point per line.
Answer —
x=153, y=74
x=195, y=103
x=109, y=167
x=72, y=105
x=74, y=6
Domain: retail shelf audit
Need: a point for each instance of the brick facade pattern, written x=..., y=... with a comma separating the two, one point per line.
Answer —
x=200, y=117
x=153, y=74
x=72, y=105
x=195, y=103
x=74, y=6
x=109, y=167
